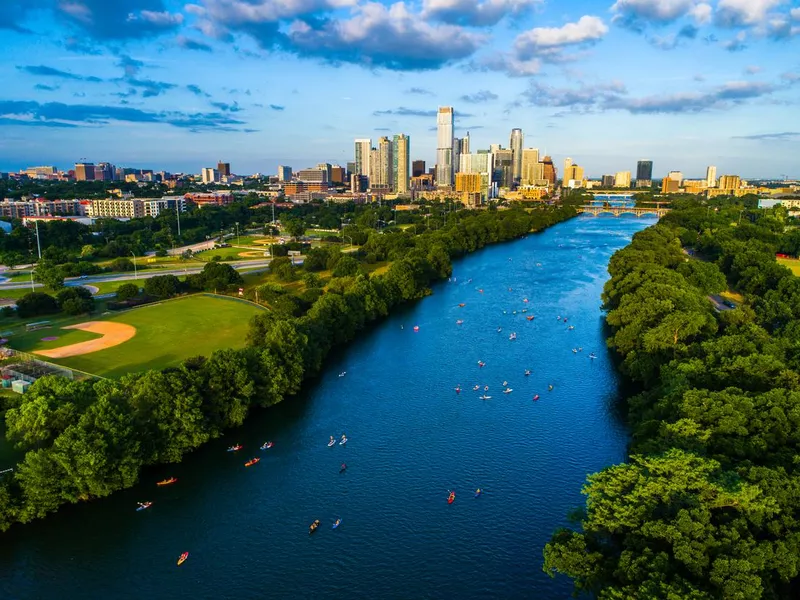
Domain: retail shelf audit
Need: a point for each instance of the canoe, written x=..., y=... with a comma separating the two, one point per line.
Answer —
x=182, y=558
x=169, y=481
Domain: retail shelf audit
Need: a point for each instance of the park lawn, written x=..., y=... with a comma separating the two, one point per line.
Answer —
x=792, y=263
x=230, y=253
x=167, y=334
x=32, y=340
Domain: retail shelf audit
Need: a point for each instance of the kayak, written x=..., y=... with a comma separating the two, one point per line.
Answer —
x=182, y=558
x=235, y=448
x=169, y=481
x=267, y=445
x=478, y=492
x=251, y=462
x=337, y=523
x=451, y=497
x=343, y=442
x=331, y=443
x=536, y=397
x=144, y=505
x=313, y=527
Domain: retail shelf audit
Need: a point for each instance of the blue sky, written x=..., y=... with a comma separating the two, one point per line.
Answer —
x=177, y=86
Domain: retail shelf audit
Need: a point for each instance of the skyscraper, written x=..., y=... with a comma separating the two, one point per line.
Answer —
x=711, y=176
x=84, y=171
x=622, y=179
x=503, y=172
x=385, y=168
x=567, y=165
x=401, y=154
x=549, y=170
x=644, y=173
x=516, y=153
x=418, y=168
x=224, y=169
x=363, y=146
x=444, y=146
x=465, y=144
x=284, y=173
x=532, y=169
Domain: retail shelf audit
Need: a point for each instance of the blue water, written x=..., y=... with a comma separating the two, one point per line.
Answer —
x=411, y=440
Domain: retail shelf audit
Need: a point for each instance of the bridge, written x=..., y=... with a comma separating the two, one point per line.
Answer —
x=617, y=211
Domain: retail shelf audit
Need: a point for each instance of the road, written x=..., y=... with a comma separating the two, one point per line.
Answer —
x=252, y=266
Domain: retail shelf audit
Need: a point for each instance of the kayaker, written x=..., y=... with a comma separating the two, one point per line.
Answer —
x=344, y=466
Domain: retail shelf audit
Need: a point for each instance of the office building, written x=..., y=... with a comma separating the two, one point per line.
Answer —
x=482, y=164
x=573, y=176
x=622, y=179
x=358, y=183
x=516, y=144
x=470, y=187
x=445, y=122
x=418, y=168
x=567, y=165
x=669, y=185
x=532, y=170
x=84, y=171
x=41, y=172
x=401, y=155
x=644, y=173
x=363, y=148
x=607, y=181
x=385, y=167
x=338, y=174
x=209, y=175
x=316, y=175
x=224, y=169
x=676, y=175
x=284, y=173
x=503, y=168
x=351, y=168
x=549, y=170
x=711, y=176
x=464, y=144
x=327, y=167
x=730, y=183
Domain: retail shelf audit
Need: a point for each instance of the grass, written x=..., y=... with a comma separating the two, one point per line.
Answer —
x=231, y=253
x=166, y=334
x=792, y=263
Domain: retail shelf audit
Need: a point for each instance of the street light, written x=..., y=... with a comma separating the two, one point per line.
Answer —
x=38, y=244
x=238, y=241
x=135, y=272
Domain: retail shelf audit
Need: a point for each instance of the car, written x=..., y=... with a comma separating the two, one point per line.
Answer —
x=729, y=304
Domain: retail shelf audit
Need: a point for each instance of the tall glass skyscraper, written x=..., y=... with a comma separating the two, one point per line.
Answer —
x=516, y=152
x=444, y=146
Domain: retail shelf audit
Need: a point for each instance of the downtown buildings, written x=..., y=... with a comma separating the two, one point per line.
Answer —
x=383, y=169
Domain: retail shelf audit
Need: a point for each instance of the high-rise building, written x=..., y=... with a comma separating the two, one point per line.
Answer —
x=730, y=182
x=84, y=171
x=327, y=167
x=465, y=144
x=209, y=175
x=516, y=144
x=644, y=173
x=573, y=176
x=351, y=168
x=284, y=173
x=418, y=168
x=676, y=175
x=567, y=165
x=445, y=122
x=503, y=171
x=363, y=148
x=711, y=176
x=549, y=170
x=532, y=170
x=401, y=155
x=337, y=174
x=669, y=185
x=607, y=181
x=316, y=175
x=224, y=169
x=622, y=179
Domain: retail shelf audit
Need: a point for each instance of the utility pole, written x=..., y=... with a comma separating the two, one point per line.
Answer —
x=38, y=243
x=178, y=212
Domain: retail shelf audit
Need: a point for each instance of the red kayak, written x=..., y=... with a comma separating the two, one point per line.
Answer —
x=451, y=497
x=182, y=558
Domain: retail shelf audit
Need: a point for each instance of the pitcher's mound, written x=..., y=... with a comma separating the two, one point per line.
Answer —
x=113, y=335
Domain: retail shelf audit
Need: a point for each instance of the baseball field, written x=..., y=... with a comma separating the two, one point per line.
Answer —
x=151, y=337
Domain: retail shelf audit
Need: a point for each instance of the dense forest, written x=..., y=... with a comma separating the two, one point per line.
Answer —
x=708, y=506
x=87, y=439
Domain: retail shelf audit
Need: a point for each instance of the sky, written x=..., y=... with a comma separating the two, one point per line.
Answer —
x=178, y=86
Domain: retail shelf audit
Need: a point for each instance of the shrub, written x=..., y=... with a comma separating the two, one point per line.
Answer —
x=127, y=291
x=35, y=304
x=162, y=286
x=122, y=264
x=75, y=300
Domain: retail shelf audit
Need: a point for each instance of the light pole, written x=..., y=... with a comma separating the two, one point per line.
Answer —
x=135, y=272
x=32, y=288
x=38, y=244
x=238, y=242
x=178, y=213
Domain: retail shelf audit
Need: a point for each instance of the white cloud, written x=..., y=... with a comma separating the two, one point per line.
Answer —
x=161, y=19
x=548, y=41
x=795, y=14
x=737, y=13
x=701, y=13
x=474, y=12
x=77, y=10
x=661, y=11
x=508, y=64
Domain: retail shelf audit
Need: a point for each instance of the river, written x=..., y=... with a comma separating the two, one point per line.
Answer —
x=412, y=438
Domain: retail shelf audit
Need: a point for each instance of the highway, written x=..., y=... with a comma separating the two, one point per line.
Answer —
x=251, y=266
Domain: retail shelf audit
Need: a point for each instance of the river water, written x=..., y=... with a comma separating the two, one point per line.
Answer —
x=412, y=439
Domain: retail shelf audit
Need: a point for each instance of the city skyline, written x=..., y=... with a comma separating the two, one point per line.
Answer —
x=169, y=85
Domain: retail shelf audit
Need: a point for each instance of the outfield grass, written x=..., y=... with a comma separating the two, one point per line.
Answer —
x=230, y=253
x=166, y=334
x=792, y=263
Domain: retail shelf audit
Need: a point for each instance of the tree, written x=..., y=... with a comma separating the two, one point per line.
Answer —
x=127, y=291
x=12, y=259
x=162, y=286
x=282, y=268
x=75, y=300
x=347, y=266
x=295, y=227
x=35, y=304
x=122, y=264
x=50, y=275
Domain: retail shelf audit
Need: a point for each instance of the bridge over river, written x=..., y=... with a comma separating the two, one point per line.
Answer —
x=618, y=211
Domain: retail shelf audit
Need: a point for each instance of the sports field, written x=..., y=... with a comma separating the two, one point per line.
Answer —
x=792, y=263
x=150, y=337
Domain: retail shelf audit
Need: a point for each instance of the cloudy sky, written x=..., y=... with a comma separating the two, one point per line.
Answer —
x=172, y=85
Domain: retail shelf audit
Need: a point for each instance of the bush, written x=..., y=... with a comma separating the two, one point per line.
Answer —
x=282, y=268
x=75, y=300
x=7, y=311
x=122, y=264
x=217, y=276
x=127, y=291
x=35, y=304
x=347, y=266
x=162, y=286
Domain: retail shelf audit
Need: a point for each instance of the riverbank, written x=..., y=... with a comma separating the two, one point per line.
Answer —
x=90, y=440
